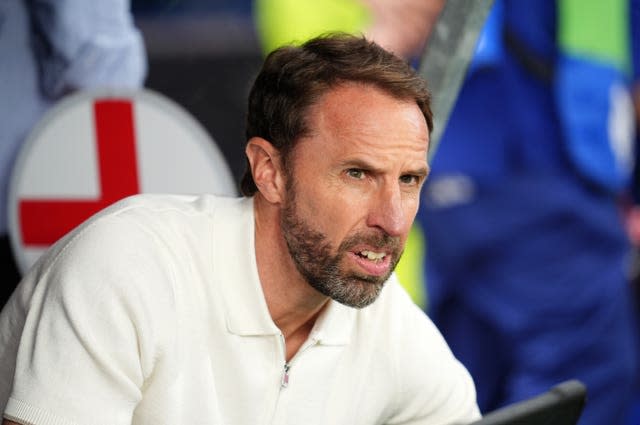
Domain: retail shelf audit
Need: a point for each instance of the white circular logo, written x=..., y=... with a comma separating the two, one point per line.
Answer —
x=94, y=148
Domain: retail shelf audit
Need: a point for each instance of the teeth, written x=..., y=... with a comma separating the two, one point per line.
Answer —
x=374, y=256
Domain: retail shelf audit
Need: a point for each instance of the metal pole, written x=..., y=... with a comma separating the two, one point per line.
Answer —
x=447, y=56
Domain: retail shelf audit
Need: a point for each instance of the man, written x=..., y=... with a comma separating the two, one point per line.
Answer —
x=400, y=26
x=528, y=257
x=275, y=308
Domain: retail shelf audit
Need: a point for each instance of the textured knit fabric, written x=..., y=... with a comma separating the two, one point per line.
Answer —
x=153, y=313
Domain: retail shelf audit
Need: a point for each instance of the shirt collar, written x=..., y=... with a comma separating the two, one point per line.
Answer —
x=235, y=264
x=334, y=325
x=245, y=306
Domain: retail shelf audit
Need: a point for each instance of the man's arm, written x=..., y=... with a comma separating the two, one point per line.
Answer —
x=403, y=26
x=82, y=44
x=8, y=422
x=96, y=326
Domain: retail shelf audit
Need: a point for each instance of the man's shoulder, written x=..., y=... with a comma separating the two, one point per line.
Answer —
x=156, y=224
x=425, y=370
x=162, y=212
x=153, y=204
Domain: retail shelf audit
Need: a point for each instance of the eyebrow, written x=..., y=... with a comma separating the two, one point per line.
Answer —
x=422, y=171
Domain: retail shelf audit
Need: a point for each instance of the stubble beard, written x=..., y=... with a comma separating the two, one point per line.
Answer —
x=311, y=253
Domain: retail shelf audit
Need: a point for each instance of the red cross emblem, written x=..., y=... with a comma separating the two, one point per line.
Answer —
x=44, y=221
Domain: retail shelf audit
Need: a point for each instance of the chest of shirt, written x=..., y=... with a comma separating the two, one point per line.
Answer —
x=241, y=380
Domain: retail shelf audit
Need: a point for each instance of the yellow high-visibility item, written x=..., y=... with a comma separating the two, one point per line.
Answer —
x=280, y=22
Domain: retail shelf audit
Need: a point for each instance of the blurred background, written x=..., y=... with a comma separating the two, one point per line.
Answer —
x=203, y=54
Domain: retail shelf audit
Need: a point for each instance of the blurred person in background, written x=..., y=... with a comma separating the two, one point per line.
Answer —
x=400, y=26
x=49, y=49
x=528, y=258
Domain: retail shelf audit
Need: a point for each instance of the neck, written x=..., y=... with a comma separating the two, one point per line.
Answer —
x=293, y=304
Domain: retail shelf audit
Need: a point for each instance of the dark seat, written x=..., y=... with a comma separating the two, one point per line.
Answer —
x=561, y=405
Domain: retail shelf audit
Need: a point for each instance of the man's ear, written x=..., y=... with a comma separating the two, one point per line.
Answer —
x=266, y=167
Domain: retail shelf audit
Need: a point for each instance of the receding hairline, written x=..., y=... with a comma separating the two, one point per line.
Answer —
x=345, y=83
x=294, y=78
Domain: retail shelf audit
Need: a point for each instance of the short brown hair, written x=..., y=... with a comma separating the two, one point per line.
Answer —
x=293, y=78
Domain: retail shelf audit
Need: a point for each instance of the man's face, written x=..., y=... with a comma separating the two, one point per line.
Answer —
x=353, y=191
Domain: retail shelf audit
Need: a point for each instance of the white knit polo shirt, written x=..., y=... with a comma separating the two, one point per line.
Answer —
x=152, y=313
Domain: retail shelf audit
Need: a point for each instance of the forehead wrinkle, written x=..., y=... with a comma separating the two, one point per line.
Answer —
x=361, y=129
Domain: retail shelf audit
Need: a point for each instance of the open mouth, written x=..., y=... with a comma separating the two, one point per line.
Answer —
x=373, y=263
x=372, y=255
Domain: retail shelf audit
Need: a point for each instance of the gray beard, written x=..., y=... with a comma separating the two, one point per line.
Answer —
x=311, y=253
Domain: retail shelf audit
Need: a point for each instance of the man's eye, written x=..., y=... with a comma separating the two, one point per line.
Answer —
x=410, y=179
x=355, y=173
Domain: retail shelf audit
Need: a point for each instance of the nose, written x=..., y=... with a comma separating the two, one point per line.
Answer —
x=386, y=211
